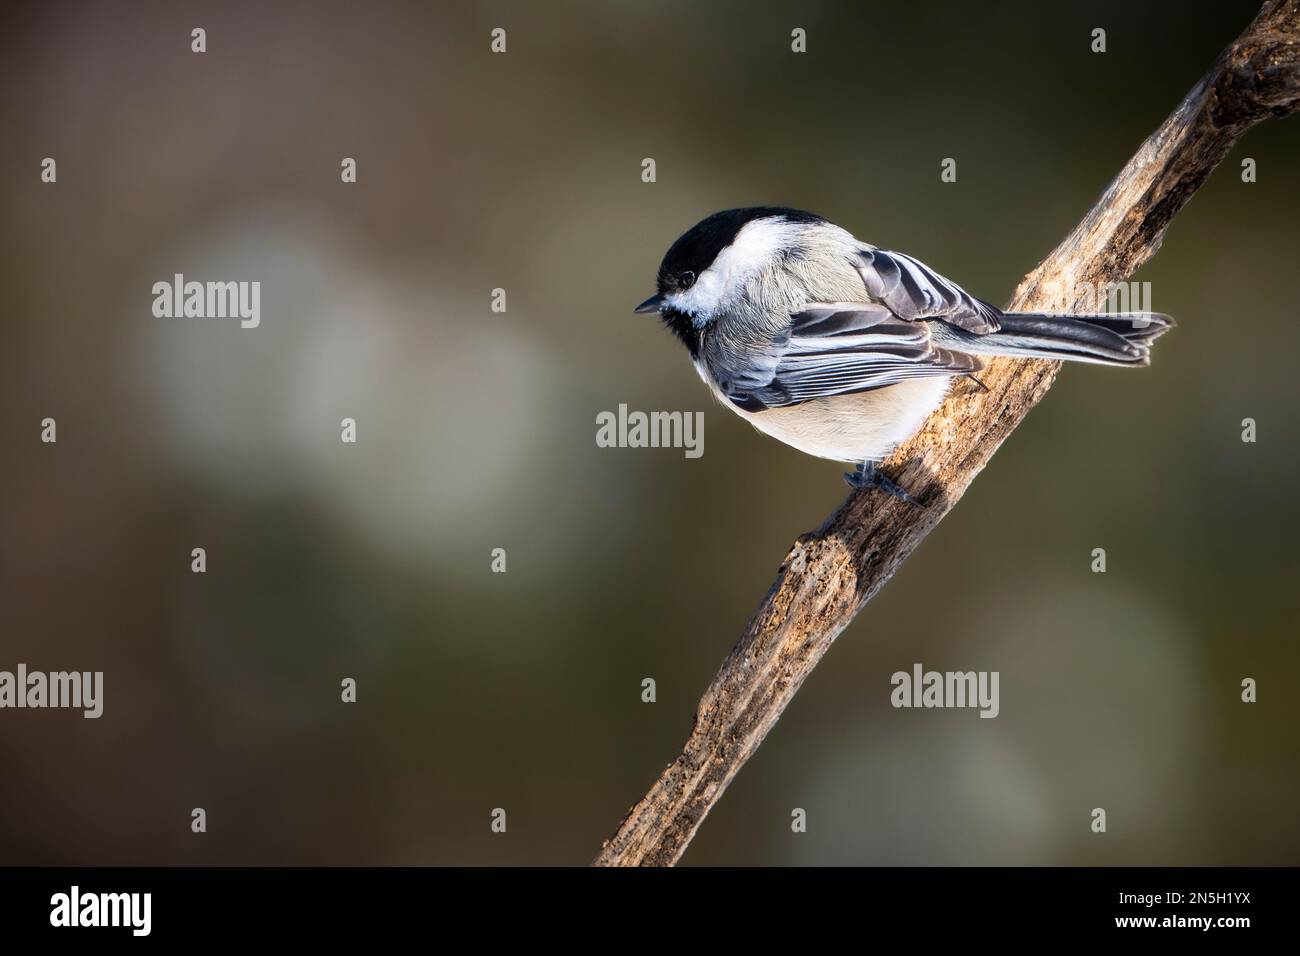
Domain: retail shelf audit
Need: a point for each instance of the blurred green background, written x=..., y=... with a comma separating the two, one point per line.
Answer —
x=477, y=431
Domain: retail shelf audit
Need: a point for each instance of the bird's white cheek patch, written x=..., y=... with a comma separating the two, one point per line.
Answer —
x=753, y=250
x=704, y=297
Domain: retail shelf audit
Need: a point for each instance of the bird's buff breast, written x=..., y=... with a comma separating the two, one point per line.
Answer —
x=865, y=426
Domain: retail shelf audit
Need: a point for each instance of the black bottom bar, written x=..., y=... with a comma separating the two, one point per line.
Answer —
x=336, y=905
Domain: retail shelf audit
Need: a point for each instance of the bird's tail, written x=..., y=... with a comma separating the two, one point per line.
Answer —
x=1123, y=338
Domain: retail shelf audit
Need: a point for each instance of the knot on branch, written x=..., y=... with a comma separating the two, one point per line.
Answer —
x=1261, y=70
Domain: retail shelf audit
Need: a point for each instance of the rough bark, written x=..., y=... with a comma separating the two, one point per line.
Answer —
x=831, y=573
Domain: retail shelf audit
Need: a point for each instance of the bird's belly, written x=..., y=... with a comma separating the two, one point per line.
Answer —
x=860, y=427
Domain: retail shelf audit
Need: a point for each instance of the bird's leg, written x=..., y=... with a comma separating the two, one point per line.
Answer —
x=869, y=476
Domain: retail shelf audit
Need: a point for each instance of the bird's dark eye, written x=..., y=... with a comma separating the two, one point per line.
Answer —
x=686, y=279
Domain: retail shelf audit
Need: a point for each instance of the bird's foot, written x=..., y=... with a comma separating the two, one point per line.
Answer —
x=869, y=476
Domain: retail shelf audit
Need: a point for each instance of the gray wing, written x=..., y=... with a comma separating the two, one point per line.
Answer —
x=913, y=291
x=836, y=348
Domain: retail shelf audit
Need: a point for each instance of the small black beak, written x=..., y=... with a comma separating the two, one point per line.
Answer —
x=652, y=304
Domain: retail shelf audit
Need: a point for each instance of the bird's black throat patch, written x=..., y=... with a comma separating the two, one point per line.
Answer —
x=681, y=325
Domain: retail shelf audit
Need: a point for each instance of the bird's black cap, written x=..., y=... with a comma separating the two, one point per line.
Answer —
x=696, y=249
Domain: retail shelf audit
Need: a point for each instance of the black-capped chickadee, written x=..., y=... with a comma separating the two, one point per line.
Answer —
x=842, y=349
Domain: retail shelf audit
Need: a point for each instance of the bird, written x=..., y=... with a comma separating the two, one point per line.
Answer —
x=842, y=349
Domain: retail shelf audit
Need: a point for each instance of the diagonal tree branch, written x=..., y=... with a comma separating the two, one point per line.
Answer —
x=831, y=573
